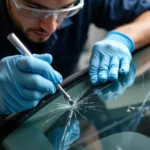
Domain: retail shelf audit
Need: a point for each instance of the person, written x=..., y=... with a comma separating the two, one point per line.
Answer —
x=59, y=29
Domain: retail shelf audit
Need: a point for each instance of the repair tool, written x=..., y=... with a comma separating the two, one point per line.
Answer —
x=23, y=50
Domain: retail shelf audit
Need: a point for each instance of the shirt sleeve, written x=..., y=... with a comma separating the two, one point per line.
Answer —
x=109, y=14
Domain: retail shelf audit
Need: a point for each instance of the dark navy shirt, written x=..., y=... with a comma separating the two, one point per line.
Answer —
x=67, y=42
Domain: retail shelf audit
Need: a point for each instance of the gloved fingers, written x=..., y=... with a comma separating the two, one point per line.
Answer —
x=124, y=66
x=36, y=82
x=30, y=95
x=76, y=130
x=113, y=87
x=45, y=57
x=35, y=65
x=113, y=68
x=105, y=90
x=129, y=78
x=103, y=94
x=116, y=87
x=111, y=92
x=75, y=123
x=94, y=67
x=18, y=106
x=124, y=80
x=103, y=70
x=57, y=77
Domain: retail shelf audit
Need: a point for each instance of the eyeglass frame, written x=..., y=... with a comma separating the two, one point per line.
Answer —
x=79, y=6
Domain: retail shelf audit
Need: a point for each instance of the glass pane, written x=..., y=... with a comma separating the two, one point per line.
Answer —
x=113, y=116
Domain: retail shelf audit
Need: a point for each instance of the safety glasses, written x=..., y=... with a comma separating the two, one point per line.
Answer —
x=28, y=11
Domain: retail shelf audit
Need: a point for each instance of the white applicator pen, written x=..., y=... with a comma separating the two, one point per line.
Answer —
x=24, y=51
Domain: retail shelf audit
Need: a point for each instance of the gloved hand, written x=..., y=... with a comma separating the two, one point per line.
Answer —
x=110, y=57
x=72, y=133
x=24, y=80
x=117, y=88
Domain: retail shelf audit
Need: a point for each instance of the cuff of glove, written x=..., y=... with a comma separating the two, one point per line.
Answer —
x=118, y=36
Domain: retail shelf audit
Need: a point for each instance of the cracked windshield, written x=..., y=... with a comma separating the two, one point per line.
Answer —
x=74, y=74
x=112, y=116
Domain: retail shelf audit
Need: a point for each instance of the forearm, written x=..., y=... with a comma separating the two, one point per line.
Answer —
x=138, y=30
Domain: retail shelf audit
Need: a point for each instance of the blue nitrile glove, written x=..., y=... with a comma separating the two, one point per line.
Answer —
x=117, y=88
x=24, y=80
x=110, y=57
x=72, y=133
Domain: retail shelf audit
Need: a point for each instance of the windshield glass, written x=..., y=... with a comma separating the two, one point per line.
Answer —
x=113, y=116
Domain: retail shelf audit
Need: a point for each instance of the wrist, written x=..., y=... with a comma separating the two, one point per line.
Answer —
x=120, y=37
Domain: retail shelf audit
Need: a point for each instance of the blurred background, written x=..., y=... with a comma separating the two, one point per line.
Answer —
x=95, y=34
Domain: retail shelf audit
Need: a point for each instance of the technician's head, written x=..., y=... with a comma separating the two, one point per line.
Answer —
x=38, y=19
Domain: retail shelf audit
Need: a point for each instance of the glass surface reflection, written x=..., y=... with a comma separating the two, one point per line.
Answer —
x=114, y=116
x=113, y=90
x=86, y=108
x=61, y=139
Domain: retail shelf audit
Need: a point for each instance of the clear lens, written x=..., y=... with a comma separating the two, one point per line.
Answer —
x=37, y=14
x=32, y=14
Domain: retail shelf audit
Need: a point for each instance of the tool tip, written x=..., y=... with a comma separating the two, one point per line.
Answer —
x=71, y=102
